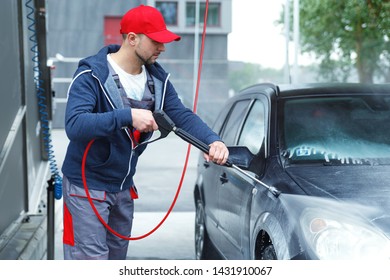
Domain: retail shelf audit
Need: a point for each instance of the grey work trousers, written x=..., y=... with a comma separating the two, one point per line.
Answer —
x=85, y=237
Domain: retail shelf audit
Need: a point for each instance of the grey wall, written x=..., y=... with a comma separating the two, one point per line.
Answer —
x=21, y=164
x=12, y=200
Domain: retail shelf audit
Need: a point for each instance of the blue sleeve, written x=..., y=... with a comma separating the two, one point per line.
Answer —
x=88, y=115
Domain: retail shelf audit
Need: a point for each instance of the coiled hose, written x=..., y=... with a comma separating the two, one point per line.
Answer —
x=43, y=114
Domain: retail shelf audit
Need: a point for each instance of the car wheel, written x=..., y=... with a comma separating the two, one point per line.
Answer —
x=268, y=253
x=202, y=242
x=264, y=247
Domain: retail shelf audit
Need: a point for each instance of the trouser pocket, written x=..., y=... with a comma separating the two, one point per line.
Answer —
x=78, y=212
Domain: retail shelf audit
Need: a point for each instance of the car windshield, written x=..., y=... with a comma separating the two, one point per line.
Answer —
x=337, y=130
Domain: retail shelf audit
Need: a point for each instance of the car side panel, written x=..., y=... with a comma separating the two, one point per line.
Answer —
x=234, y=202
x=209, y=189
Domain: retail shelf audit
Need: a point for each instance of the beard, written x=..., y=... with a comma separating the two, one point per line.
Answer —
x=145, y=60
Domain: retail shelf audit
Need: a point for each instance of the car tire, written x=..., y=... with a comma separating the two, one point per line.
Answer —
x=203, y=245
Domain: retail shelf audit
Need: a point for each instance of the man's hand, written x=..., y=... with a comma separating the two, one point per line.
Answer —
x=218, y=153
x=143, y=120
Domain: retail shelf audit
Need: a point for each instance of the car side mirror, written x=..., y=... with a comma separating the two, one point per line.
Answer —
x=240, y=156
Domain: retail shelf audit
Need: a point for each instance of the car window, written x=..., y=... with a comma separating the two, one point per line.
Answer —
x=252, y=135
x=234, y=122
x=343, y=130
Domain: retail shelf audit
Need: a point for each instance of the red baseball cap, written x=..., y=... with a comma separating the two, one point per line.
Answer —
x=149, y=21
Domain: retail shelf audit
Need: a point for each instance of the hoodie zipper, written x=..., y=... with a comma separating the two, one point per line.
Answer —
x=133, y=144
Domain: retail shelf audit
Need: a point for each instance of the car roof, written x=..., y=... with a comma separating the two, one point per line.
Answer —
x=292, y=90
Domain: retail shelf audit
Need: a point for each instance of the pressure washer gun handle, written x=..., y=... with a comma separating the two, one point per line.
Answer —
x=165, y=124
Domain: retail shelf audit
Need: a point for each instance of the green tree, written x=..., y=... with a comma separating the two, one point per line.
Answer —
x=347, y=34
x=245, y=76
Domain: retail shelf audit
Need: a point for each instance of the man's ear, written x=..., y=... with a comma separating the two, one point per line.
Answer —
x=132, y=38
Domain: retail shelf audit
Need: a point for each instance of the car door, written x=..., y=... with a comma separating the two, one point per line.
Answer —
x=235, y=192
x=211, y=172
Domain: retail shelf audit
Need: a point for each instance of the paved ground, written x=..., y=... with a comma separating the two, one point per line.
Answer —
x=158, y=176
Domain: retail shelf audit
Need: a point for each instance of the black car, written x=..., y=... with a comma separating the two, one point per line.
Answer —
x=310, y=177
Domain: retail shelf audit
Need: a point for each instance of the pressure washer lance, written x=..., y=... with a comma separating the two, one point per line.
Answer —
x=166, y=125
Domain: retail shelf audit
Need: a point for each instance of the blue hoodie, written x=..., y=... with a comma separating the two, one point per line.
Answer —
x=95, y=111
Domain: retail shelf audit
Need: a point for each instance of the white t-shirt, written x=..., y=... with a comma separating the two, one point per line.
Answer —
x=134, y=85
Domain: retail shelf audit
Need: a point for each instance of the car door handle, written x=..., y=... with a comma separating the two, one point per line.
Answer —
x=206, y=164
x=223, y=178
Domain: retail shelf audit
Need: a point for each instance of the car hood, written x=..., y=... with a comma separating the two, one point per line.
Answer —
x=366, y=185
x=354, y=186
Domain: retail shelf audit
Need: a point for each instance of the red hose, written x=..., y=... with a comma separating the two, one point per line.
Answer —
x=185, y=163
x=101, y=219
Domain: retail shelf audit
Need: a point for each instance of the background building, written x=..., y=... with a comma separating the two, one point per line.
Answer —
x=77, y=29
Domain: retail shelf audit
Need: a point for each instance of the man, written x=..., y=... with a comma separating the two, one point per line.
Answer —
x=111, y=100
